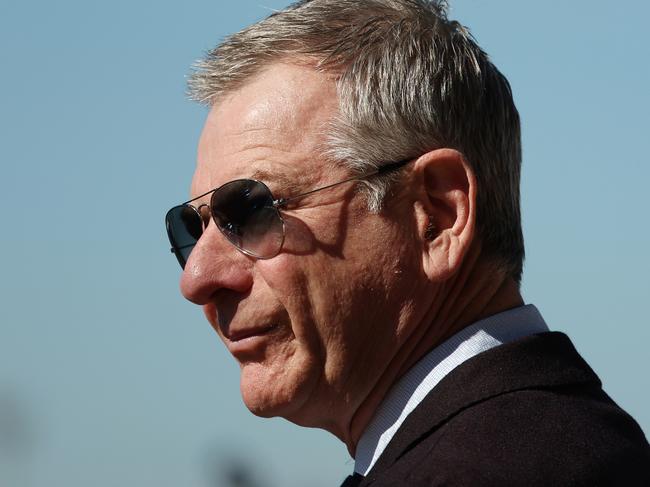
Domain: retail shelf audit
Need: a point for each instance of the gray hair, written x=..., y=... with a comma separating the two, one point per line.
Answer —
x=409, y=81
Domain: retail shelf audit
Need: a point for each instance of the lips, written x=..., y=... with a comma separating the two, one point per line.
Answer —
x=245, y=337
x=241, y=334
x=251, y=343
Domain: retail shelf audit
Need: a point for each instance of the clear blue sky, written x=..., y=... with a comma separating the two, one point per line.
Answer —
x=107, y=377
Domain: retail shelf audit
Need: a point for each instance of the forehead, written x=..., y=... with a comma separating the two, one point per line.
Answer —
x=275, y=125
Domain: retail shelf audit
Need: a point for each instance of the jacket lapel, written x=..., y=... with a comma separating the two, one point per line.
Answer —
x=544, y=360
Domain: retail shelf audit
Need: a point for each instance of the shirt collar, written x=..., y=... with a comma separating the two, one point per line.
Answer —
x=413, y=387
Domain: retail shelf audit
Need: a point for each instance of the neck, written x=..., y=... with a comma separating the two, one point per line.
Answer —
x=477, y=291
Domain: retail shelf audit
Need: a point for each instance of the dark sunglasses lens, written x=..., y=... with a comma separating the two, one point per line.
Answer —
x=244, y=212
x=184, y=228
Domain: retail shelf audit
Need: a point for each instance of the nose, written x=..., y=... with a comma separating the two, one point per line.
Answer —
x=214, y=264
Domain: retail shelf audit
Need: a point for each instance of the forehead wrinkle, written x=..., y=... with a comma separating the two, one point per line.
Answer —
x=280, y=138
x=284, y=175
x=266, y=160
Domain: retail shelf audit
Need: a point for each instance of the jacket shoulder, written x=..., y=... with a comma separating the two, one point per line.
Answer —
x=532, y=437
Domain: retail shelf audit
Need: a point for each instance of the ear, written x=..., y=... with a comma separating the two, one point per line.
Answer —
x=445, y=211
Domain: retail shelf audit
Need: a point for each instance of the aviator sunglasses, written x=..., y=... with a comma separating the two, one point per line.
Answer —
x=246, y=213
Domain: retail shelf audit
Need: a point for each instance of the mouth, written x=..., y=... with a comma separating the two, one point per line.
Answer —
x=235, y=336
x=250, y=344
x=247, y=339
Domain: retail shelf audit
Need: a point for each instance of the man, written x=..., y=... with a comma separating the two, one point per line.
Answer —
x=354, y=238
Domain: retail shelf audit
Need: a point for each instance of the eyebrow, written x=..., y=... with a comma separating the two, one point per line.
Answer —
x=285, y=183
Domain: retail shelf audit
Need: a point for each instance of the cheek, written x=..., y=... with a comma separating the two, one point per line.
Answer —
x=287, y=280
x=339, y=302
x=307, y=286
x=299, y=240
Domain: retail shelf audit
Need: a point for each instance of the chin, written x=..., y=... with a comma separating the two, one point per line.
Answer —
x=276, y=391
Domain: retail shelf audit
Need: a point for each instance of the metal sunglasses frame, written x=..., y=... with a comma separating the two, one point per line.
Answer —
x=277, y=204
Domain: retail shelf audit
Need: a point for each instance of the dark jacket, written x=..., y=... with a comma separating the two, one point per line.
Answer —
x=529, y=413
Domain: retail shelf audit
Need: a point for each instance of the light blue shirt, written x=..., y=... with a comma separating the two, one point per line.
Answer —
x=412, y=388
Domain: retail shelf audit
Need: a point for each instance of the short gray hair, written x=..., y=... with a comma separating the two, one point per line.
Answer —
x=409, y=81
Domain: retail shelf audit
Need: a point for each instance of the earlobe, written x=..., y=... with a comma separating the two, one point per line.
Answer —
x=446, y=211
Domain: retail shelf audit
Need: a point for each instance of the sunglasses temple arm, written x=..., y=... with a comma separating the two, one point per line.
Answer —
x=197, y=197
x=382, y=170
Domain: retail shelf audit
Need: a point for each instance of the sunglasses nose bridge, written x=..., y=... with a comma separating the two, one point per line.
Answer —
x=204, y=212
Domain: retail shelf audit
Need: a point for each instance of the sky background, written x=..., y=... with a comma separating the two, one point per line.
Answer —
x=108, y=377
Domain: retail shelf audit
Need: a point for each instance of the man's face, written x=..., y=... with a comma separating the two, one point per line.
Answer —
x=314, y=327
